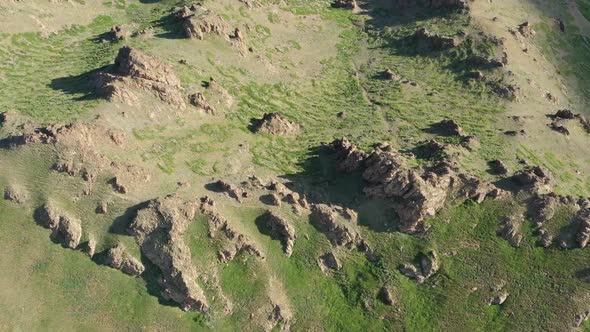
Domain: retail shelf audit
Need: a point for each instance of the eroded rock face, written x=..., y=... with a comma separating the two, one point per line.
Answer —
x=136, y=64
x=65, y=229
x=337, y=224
x=158, y=229
x=276, y=124
x=118, y=258
x=281, y=229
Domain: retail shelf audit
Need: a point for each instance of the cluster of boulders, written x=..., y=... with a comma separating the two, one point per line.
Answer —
x=133, y=68
x=237, y=193
x=275, y=124
x=279, y=193
x=418, y=193
x=426, y=265
x=65, y=229
x=158, y=230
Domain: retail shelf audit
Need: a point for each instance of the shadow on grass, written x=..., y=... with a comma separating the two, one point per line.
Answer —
x=82, y=86
x=121, y=223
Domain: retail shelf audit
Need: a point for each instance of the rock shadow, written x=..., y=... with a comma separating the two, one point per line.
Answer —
x=121, y=224
x=82, y=86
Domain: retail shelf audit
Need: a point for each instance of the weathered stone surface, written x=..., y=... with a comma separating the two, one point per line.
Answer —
x=535, y=179
x=426, y=266
x=16, y=194
x=329, y=261
x=348, y=157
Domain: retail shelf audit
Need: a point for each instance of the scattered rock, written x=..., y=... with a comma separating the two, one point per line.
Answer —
x=450, y=127
x=499, y=299
x=559, y=127
x=16, y=194
x=526, y=30
x=69, y=231
x=198, y=100
x=118, y=258
x=565, y=114
x=275, y=124
x=329, y=261
x=90, y=247
x=119, y=32
x=386, y=295
x=102, y=208
x=238, y=194
x=389, y=74
x=498, y=167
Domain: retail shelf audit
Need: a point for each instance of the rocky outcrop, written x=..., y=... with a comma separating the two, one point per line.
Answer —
x=559, y=127
x=239, y=194
x=16, y=194
x=450, y=127
x=158, y=229
x=499, y=299
x=118, y=258
x=418, y=192
x=526, y=30
x=348, y=157
x=275, y=124
x=281, y=229
x=535, y=179
x=337, y=223
x=386, y=295
x=135, y=69
x=198, y=21
x=280, y=193
x=426, y=266
x=434, y=41
x=481, y=61
x=119, y=32
x=583, y=233
x=65, y=229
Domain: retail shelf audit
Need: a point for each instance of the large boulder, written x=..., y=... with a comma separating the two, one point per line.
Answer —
x=65, y=229
x=134, y=63
x=275, y=124
x=535, y=179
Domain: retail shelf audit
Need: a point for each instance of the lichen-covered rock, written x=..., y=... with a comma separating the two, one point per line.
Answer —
x=118, y=258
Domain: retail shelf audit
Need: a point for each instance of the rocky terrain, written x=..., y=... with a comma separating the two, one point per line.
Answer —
x=262, y=165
